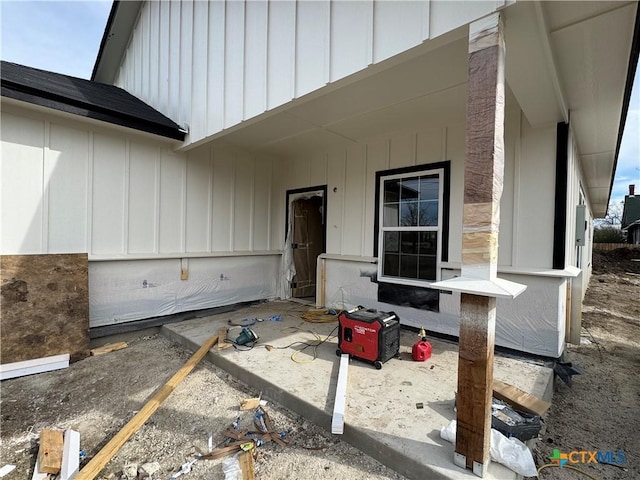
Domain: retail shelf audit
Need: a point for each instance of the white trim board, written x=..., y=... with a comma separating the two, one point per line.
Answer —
x=37, y=365
x=70, y=455
x=337, y=422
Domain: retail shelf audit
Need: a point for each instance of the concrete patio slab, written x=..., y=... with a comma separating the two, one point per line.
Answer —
x=381, y=416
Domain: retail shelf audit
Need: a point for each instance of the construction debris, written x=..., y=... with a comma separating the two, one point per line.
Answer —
x=250, y=403
x=50, y=452
x=111, y=347
x=337, y=422
x=97, y=463
x=246, y=465
x=6, y=470
x=36, y=365
x=519, y=399
x=237, y=439
x=70, y=455
x=222, y=339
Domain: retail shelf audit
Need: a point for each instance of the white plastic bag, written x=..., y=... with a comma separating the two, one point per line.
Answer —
x=510, y=452
x=231, y=468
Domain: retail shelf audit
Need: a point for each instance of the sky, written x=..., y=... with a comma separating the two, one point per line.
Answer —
x=64, y=37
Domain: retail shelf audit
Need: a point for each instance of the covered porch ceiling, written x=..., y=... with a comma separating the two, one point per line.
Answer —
x=566, y=61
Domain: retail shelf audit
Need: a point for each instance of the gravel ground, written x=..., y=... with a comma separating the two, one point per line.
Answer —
x=98, y=395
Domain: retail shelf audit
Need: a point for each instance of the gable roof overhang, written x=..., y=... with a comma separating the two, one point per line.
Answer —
x=85, y=98
x=115, y=38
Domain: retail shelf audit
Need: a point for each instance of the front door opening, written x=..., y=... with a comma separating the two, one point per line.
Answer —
x=306, y=239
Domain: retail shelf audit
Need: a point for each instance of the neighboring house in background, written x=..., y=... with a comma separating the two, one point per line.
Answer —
x=631, y=216
x=342, y=123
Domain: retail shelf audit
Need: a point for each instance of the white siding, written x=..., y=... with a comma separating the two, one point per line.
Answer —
x=69, y=188
x=527, y=204
x=172, y=203
x=211, y=65
x=255, y=62
x=233, y=64
x=534, y=221
x=21, y=175
x=398, y=26
x=312, y=46
x=143, y=197
x=109, y=216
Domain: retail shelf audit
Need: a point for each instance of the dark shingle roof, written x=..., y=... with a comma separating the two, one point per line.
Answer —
x=84, y=97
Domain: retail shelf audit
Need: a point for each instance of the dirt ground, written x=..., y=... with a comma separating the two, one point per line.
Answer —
x=601, y=411
x=98, y=395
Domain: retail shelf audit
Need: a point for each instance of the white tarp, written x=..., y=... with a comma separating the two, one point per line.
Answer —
x=533, y=322
x=126, y=290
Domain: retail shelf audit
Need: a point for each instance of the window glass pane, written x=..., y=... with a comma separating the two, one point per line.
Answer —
x=429, y=213
x=409, y=242
x=428, y=243
x=390, y=266
x=391, y=191
x=410, y=204
x=410, y=190
x=427, y=267
x=429, y=187
x=409, y=213
x=391, y=214
x=409, y=266
x=392, y=242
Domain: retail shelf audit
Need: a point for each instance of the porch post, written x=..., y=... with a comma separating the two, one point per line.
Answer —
x=483, y=181
x=478, y=283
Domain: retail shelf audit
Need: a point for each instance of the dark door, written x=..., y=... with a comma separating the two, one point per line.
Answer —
x=307, y=244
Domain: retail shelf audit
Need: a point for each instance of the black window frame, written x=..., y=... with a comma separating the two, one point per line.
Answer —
x=444, y=169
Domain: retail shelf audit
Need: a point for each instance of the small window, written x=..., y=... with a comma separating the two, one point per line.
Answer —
x=410, y=233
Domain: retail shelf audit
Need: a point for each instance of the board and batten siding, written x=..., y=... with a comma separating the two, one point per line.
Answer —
x=67, y=188
x=211, y=65
x=527, y=204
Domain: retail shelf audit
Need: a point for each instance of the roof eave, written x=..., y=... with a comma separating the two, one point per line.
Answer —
x=107, y=117
x=631, y=71
x=115, y=39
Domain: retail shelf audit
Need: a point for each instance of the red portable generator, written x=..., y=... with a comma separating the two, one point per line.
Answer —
x=369, y=335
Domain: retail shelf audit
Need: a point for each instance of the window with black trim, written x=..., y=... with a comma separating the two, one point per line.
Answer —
x=410, y=226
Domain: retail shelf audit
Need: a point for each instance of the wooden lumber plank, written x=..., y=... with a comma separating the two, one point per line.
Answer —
x=97, y=463
x=337, y=422
x=50, y=452
x=519, y=399
x=224, y=451
x=36, y=365
x=250, y=403
x=111, y=347
x=222, y=336
x=246, y=465
x=70, y=455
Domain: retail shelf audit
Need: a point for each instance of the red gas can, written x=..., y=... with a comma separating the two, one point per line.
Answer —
x=421, y=351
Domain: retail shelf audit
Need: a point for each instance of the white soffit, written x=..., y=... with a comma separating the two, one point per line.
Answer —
x=430, y=88
x=591, y=43
x=529, y=66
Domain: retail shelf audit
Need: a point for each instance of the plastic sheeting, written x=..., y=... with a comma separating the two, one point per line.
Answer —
x=534, y=322
x=127, y=290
